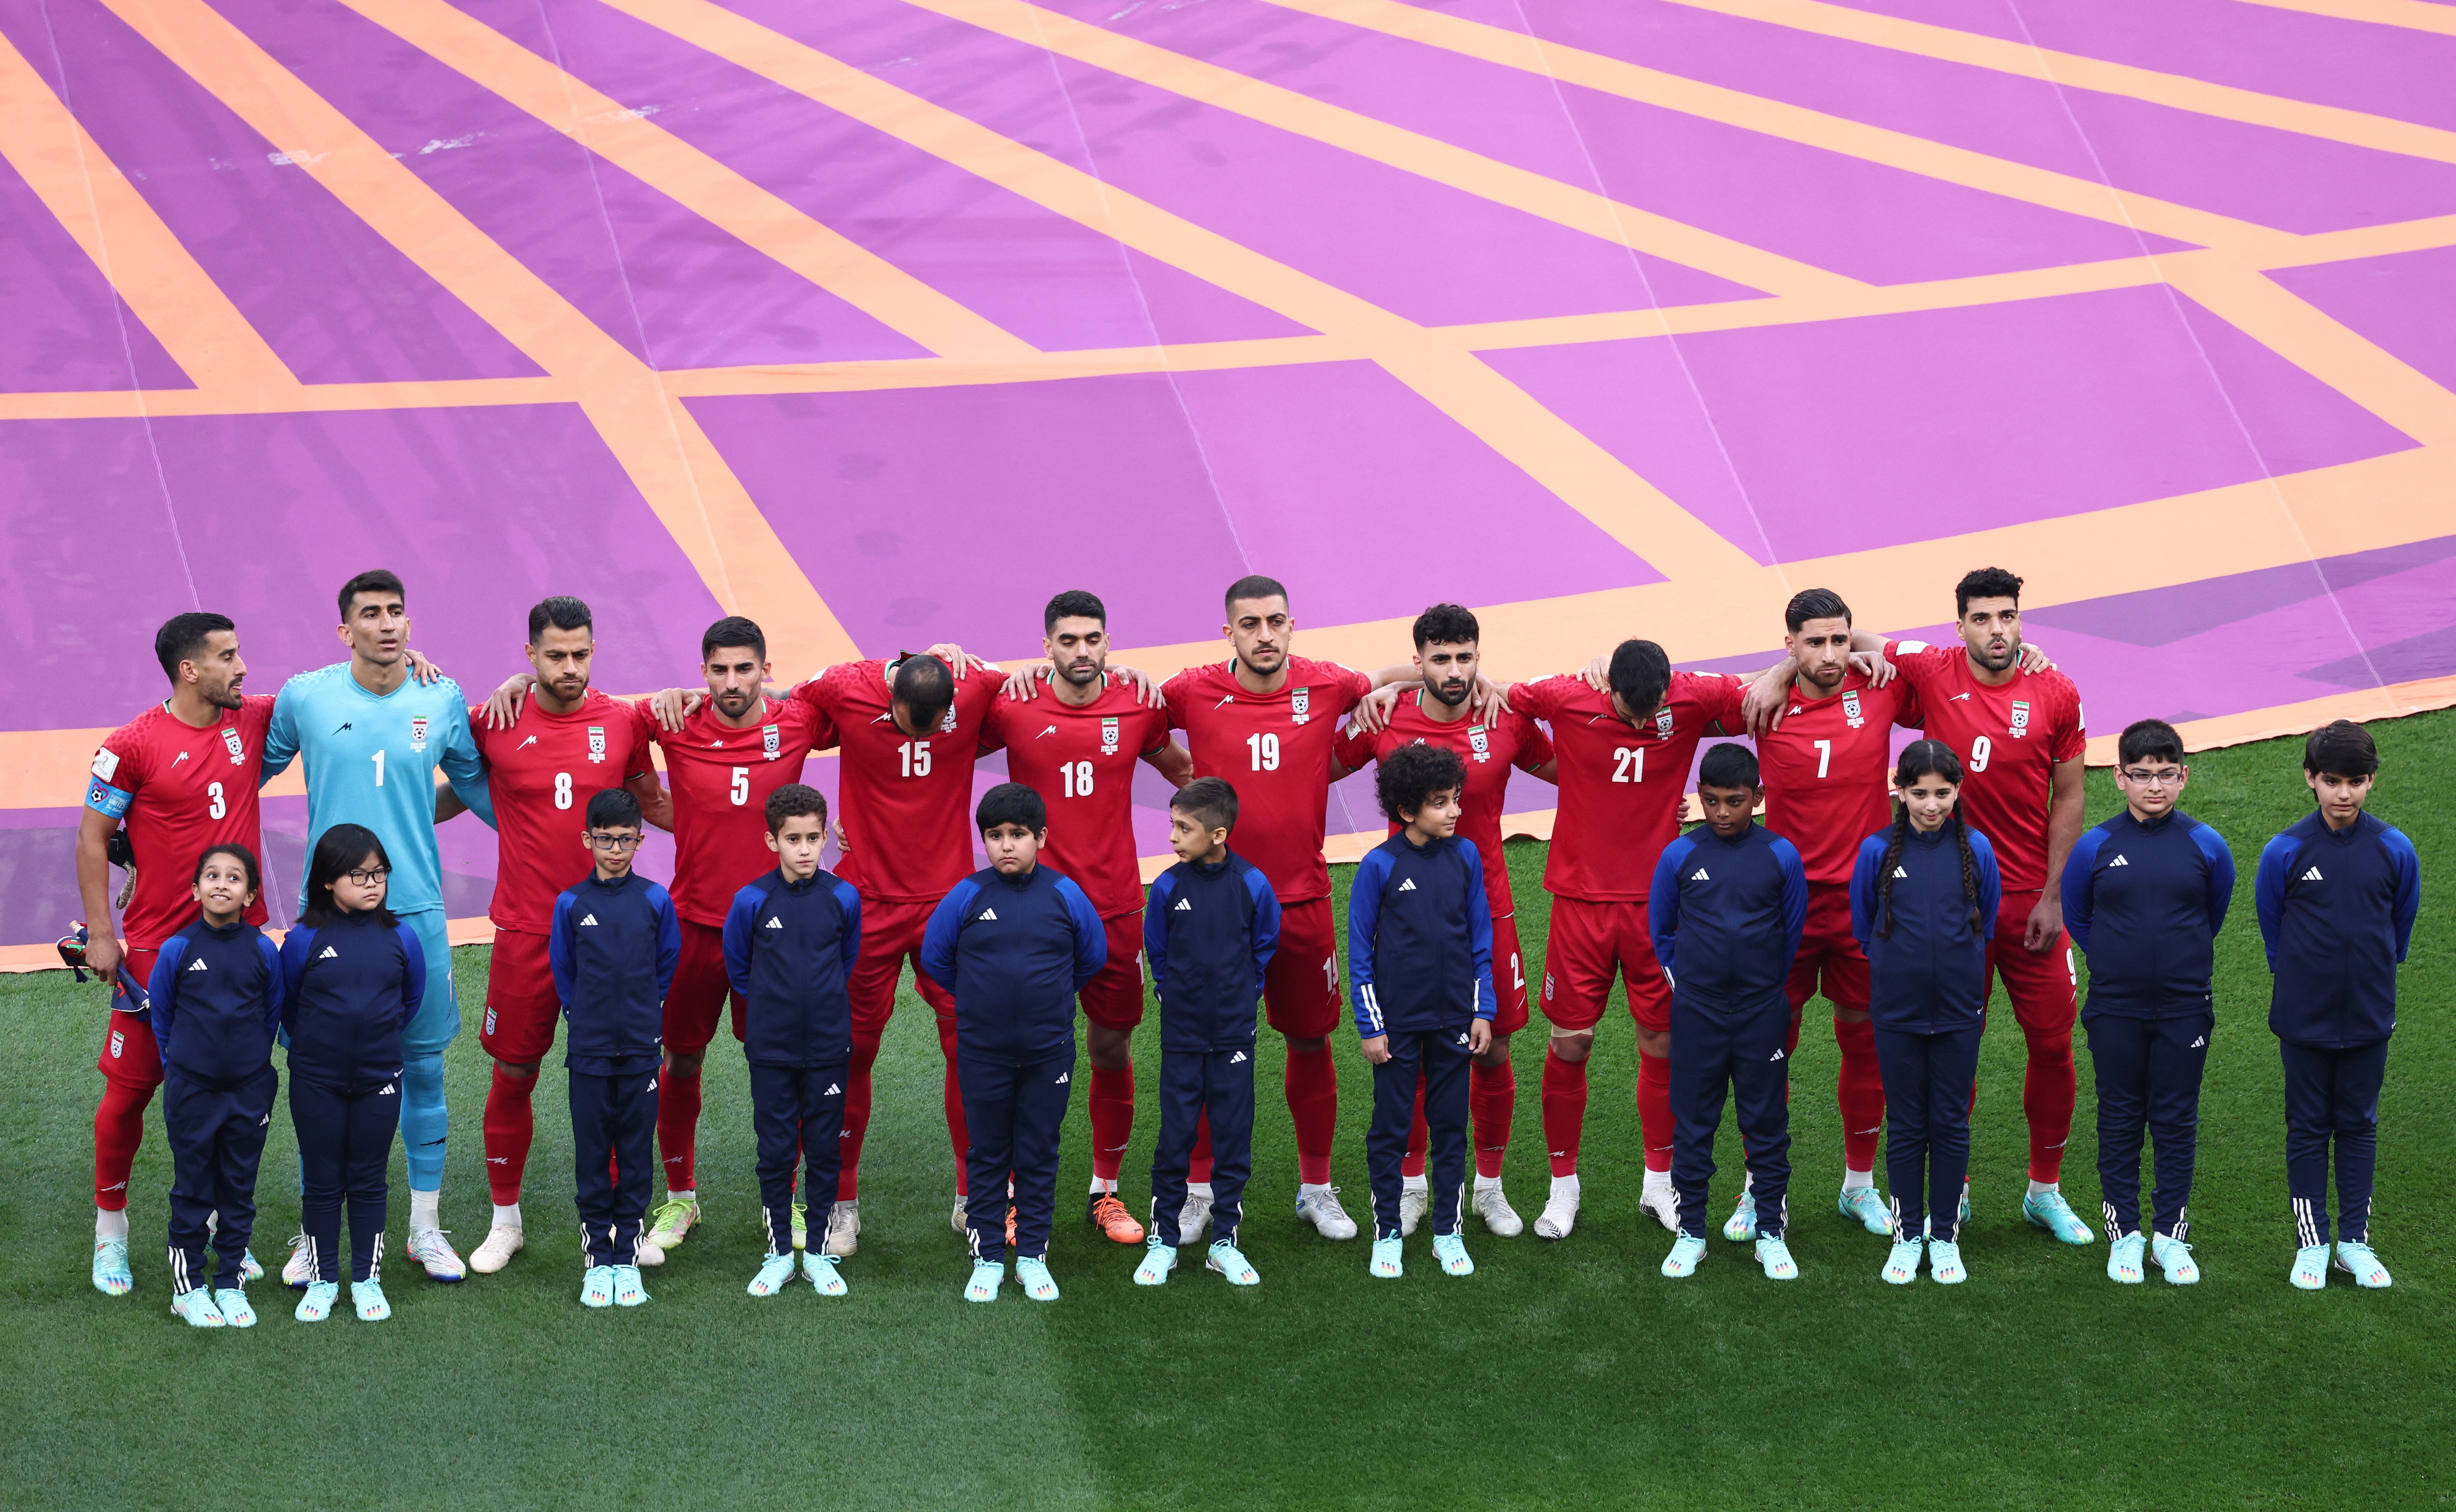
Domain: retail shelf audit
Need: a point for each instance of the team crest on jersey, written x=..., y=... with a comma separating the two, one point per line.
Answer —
x=237, y=747
x=2020, y=718
x=1480, y=742
x=1851, y=708
x=1662, y=724
x=772, y=742
x=118, y=1041
x=418, y=732
x=597, y=742
x=1108, y=737
x=947, y=721
x=1300, y=700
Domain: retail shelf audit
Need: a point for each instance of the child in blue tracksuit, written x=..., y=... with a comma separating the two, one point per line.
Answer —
x=352, y=978
x=1013, y=943
x=1420, y=953
x=1726, y=911
x=791, y=941
x=2145, y=894
x=613, y=943
x=1923, y=900
x=215, y=1001
x=2337, y=896
x=1209, y=929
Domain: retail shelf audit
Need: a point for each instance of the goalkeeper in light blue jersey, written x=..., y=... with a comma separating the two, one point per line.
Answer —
x=372, y=738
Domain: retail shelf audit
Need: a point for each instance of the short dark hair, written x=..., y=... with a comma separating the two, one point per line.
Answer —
x=1209, y=801
x=2340, y=749
x=184, y=635
x=561, y=611
x=1986, y=582
x=734, y=630
x=1728, y=764
x=1406, y=779
x=340, y=849
x=1012, y=803
x=1254, y=585
x=1813, y=603
x=378, y=580
x=246, y=858
x=793, y=801
x=613, y=808
x=924, y=684
x=1446, y=624
x=1640, y=674
x=2144, y=739
x=1074, y=604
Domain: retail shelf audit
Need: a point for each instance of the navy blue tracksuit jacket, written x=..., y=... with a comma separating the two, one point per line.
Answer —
x=1927, y=1001
x=790, y=948
x=349, y=988
x=2336, y=913
x=1209, y=933
x=1726, y=917
x=1013, y=951
x=613, y=945
x=2144, y=901
x=1420, y=953
x=216, y=1005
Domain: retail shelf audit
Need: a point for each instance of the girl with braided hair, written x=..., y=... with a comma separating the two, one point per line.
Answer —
x=1923, y=898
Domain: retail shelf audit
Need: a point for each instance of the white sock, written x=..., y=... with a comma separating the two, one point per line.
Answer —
x=1853, y=1180
x=508, y=1214
x=1416, y=1183
x=1198, y=1188
x=1099, y=1186
x=1566, y=1186
x=1305, y=1189
x=1657, y=1182
x=1748, y=1185
x=1485, y=1183
x=686, y=1195
x=2036, y=1186
x=425, y=1209
x=111, y=1223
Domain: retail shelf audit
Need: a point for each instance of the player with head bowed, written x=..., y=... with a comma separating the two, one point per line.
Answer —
x=373, y=740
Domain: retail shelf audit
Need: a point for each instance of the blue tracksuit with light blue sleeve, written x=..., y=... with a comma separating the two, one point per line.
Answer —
x=1420, y=956
x=350, y=987
x=2144, y=900
x=2336, y=913
x=215, y=1004
x=1209, y=933
x=1013, y=951
x=1726, y=917
x=790, y=949
x=613, y=945
x=371, y=760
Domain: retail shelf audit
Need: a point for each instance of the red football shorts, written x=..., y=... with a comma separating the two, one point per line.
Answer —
x=1113, y=999
x=1829, y=956
x=130, y=1058
x=2039, y=984
x=1301, y=985
x=1588, y=942
x=1508, y=978
x=890, y=933
x=696, y=1000
x=522, y=1004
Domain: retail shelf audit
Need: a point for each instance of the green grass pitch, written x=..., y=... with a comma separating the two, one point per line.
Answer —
x=1559, y=1374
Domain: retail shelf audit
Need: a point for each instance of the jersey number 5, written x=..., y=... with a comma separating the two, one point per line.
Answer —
x=740, y=791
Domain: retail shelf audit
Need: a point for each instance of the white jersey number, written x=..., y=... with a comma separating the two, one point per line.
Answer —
x=378, y=761
x=740, y=792
x=1628, y=764
x=1824, y=756
x=916, y=758
x=1266, y=752
x=1077, y=778
x=217, y=807
x=562, y=790
x=1980, y=749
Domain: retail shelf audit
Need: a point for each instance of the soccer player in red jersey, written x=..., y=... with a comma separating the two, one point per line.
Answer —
x=1623, y=759
x=567, y=743
x=1077, y=749
x=1437, y=712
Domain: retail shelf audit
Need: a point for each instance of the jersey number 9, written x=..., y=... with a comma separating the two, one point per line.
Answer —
x=1980, y=749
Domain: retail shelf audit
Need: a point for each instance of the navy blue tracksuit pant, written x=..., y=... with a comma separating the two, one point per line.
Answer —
x=2148, y=1078
x=1440, y=1058
x=1013, y=1111
x=614, y=1118
x=344, y=1150
x=1191, y=1083
x=2332, y=1096
x=1743, y=1053
x=798, y=1112
x=216, y=1140
x=1927, y=1126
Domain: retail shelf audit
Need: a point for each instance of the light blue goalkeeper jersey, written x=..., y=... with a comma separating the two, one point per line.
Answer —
x=371, y=761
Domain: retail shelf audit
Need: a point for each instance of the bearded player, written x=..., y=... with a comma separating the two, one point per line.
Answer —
x=1437, y=712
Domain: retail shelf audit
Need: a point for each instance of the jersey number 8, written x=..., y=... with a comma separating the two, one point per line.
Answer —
x=563, y=789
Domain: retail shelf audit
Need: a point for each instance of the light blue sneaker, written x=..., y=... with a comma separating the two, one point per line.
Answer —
x=2049, y=1211
x=1901, y=1266
x=195, y=1308
x=1775, y=1256
x=111, y=1276
x=368, y=1298
x=2124, y=1259
x=317, y=1304
x=629, y=1291
x=1742, y=1225
x=821, y=1267
x=988, y=1275
x=596, y=1286
x=250, y=1268
x=2310, y=1271
x=1963, y=1221
x=775, y=1274
x=1685, y=1252
x=234, y=1308
x=1159, y=1257
x=1390, y=1258
x=1230, y=1261
x=1450, y=1249
x=1944, y=1262
x=2357, y=1261
x=1031, y=1274
x=2173, y=1256
x=1864, y=1204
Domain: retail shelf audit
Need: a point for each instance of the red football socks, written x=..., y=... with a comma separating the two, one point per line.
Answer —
x=1654, y=1109
x=1418, y=1135
x=1197, y=1165
x=1312, y=1104
x=510, y=1126
x=677, y=1128
x=1565, y=1110
x=856, y=1115
x=1492, y=1097
x=118, y=1128
x=1860, y=1094
x=1113, y=1119
x=2047, y=1092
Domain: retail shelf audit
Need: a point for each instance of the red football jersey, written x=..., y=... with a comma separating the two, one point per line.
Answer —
x=1488, y=751
x=542, y=770
x=1621, y=787
x=721, y=778
x=908, y=804
x=1829, y=771
x=177, y=790
x=1081, y=762
x=1274, y=750
x=2010, y=740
